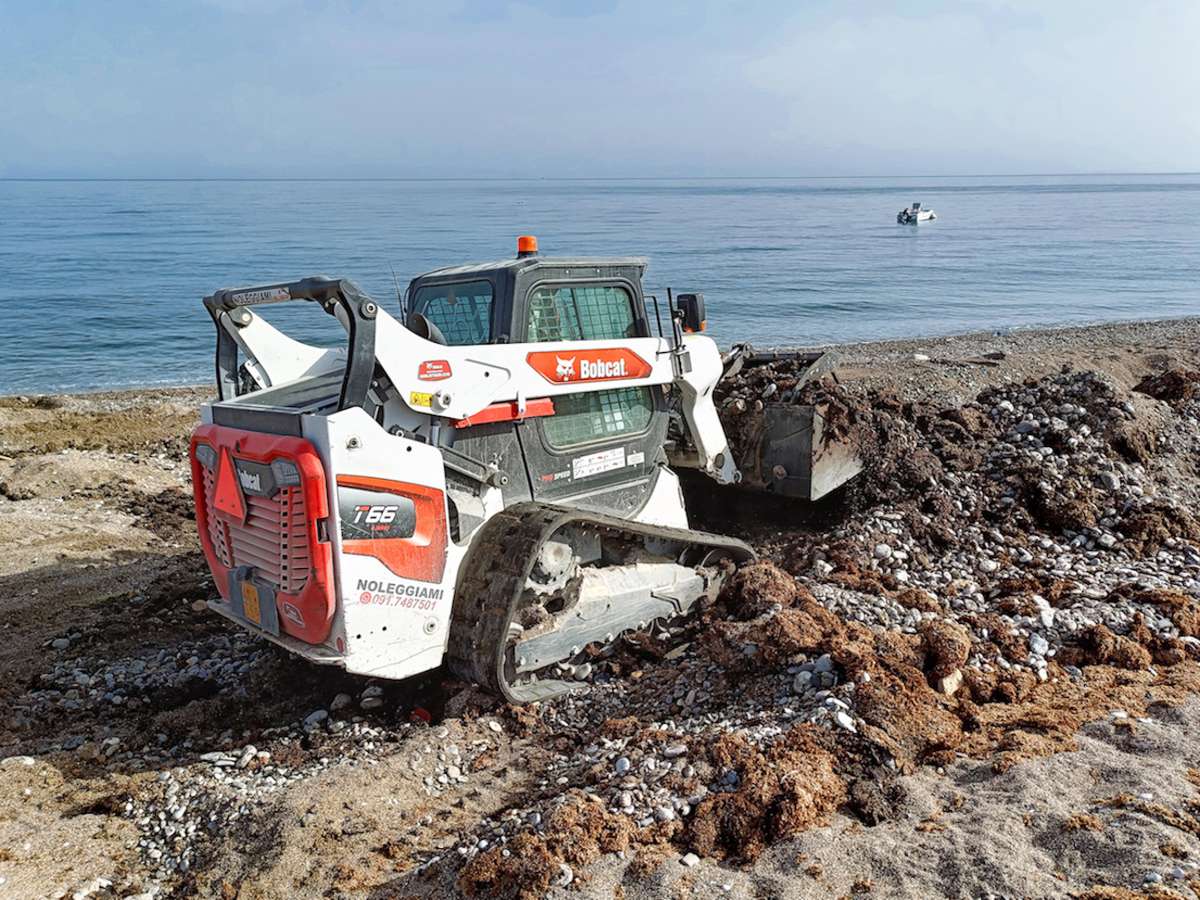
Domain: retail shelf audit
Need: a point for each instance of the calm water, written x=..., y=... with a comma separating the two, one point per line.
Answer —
x=101, y=281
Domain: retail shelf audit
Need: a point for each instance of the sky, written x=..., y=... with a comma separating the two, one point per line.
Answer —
x=597, y=88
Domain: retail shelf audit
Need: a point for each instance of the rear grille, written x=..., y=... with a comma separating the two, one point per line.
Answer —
x=273, y=539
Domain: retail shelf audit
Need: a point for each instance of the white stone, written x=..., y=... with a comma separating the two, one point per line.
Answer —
x=951, y=683
x=315, y=718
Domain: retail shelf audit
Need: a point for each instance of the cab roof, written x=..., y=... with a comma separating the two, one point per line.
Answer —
x=531, y=262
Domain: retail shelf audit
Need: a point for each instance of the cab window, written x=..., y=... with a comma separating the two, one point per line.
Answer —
x=462, y=312
x=598, y=415
x=580, y=313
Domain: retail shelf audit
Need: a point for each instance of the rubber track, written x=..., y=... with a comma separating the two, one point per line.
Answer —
x=496, y=570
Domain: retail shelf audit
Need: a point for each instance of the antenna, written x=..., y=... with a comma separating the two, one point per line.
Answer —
x=657, y=314
x=399, y=296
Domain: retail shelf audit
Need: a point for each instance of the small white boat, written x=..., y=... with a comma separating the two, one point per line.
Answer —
x=914, y=215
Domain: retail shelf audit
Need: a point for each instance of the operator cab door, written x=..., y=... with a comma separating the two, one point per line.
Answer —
x=471, y=310
x=602, y=446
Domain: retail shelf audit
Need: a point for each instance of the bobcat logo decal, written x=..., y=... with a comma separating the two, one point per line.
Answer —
x=594, y=364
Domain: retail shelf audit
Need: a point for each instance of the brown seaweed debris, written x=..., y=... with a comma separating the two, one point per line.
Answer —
x=1174, y=386
x=1008, y=714
x=905, y=717
x=785, y=789
x=754, y=589
x=1150, y=528
x=804, y=626
x=810, y=772
x=946, y=646
x=918, y=599
x=576, y=833
x=1104, y=892
x=1057, y=512
x=1045, y=719
x=1083, y=822
x=1134, y=443
x=1099, y=646
x=524, y=874
x=1182, y=609
x=1181, y=821
x=166, y=513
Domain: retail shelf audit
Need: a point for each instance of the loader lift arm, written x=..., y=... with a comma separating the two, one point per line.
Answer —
x=381, y=350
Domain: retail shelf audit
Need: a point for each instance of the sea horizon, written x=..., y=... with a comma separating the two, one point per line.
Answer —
x=107, y=273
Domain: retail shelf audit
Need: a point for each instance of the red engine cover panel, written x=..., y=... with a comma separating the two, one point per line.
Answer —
x=421, y=557
x=276, y=535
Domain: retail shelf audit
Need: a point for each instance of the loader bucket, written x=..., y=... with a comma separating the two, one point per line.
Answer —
x=786, y=447
x=790, y=453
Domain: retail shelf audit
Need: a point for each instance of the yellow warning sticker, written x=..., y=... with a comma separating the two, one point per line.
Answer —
x=416, y=398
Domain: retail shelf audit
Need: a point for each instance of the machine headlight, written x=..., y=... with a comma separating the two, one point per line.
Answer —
x=206, y=456
x=285, y=473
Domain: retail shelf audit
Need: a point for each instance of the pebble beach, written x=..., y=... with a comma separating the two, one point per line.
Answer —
x=972, y=673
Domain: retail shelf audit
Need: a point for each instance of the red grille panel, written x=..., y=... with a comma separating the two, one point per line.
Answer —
x=217, y=532
x=273, y=539
x=278, y=538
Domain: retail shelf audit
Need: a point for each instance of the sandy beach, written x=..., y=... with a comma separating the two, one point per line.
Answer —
x=973, y=675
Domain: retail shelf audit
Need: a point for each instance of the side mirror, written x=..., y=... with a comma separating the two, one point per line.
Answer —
x=691, y=311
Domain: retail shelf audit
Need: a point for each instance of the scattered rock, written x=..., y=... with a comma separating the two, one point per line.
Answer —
x=949, y=684
x=315, y=719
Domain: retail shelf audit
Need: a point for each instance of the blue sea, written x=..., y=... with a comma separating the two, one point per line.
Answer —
x=100, y=281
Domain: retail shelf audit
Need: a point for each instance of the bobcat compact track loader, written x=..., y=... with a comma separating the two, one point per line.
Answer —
x=488, y=486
